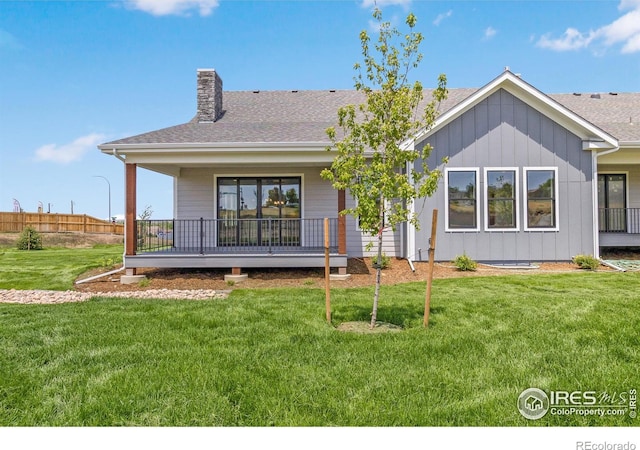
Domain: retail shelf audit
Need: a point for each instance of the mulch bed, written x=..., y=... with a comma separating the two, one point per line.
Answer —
x=362, y=274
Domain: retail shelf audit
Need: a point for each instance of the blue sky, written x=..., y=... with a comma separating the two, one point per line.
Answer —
x=74, y=74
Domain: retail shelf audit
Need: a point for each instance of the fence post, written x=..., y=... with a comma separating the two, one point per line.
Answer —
x=327, y=268
x=432, y=251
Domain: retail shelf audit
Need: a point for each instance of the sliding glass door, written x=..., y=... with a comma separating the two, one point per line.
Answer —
x=259, y=211
x=612, y=202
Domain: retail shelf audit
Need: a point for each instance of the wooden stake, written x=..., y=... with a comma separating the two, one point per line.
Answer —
x=327, y=268
x=432, y=251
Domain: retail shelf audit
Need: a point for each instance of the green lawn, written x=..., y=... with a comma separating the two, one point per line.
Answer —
x=53, y=268
x=267, y=357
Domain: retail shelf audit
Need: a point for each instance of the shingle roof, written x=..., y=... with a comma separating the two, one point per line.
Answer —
x=616, y=113
x=303, y=116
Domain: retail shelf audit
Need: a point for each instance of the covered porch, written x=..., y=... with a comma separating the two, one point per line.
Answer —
x=238, y=228
x=230, y=243
x=619, y=199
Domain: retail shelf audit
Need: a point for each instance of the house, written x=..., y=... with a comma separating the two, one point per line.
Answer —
x=530, y=177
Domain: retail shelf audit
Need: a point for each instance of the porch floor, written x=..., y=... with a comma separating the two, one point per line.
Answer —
x=229, y=257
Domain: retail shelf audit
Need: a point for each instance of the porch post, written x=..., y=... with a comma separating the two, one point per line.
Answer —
x=130, y=211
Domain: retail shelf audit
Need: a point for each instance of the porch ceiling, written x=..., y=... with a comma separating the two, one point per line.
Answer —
x=629, y=155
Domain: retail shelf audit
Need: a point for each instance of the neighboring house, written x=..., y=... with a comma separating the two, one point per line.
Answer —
x=530, y=177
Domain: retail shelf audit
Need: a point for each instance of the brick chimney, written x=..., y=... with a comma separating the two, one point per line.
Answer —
x=209, y=96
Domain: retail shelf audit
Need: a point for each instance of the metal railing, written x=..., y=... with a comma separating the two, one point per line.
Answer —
x=211, y=236
x=619, y=220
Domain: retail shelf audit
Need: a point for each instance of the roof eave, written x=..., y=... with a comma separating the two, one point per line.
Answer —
x=205, y=146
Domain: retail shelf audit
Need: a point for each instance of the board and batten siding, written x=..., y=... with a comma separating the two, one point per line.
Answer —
x=503, y=131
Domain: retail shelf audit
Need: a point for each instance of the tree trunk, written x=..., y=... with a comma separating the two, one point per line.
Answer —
x=376, y=295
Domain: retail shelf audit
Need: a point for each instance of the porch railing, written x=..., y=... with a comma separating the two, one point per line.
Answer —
x=619, y=220
x=210, y=236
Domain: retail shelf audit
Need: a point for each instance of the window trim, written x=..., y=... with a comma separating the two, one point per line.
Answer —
x=516, y=196
x=525, y=196
x=476, y=170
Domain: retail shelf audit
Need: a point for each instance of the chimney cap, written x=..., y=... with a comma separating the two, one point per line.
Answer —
x=205, y=70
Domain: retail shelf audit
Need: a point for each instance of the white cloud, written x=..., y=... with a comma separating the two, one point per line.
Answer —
x=382, y=3
x=490, y=32
x=174, y=7
x=442, y=16
x=66, y=153
x=571, y=40
x=624, y=30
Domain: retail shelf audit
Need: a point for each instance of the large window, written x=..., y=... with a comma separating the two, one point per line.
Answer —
x=541, y=198
x=501, y=186
x=246, y=204
x=462, y=199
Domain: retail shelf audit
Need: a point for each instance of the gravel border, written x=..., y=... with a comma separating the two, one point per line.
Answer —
x=56, y=297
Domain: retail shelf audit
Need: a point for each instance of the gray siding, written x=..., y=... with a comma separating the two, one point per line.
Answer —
x=196, y=190
x=502, y=131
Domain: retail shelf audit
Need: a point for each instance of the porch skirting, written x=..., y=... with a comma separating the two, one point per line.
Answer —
x=227, y=261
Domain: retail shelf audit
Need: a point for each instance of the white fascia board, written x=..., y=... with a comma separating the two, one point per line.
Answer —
x=534, y=98
x=215, y=146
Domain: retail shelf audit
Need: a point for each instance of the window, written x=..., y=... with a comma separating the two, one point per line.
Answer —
x=541, y=198
x=501, y=185
x=461, y=198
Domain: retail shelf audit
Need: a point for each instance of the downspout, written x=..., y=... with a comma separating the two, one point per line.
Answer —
x=594, y=196
x=114, y=152
x=411, y=230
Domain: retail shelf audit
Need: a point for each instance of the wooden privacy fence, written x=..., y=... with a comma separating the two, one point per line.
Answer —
x=57, y=223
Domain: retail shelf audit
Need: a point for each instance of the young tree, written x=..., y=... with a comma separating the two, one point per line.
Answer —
x=375, y=158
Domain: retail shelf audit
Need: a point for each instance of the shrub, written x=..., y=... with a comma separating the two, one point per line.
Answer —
x=464, y=263
x=29, y=239
x=587, y=262
x=384, y=263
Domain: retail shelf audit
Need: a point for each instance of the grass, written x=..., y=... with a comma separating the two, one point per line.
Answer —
x=53, y=268
x=267, y=357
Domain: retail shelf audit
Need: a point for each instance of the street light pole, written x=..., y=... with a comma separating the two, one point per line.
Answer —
x=109, y=185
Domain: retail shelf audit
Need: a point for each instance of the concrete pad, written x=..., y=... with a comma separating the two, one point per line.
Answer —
x=236, y=278
x=339, y=277
x=131, y=279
